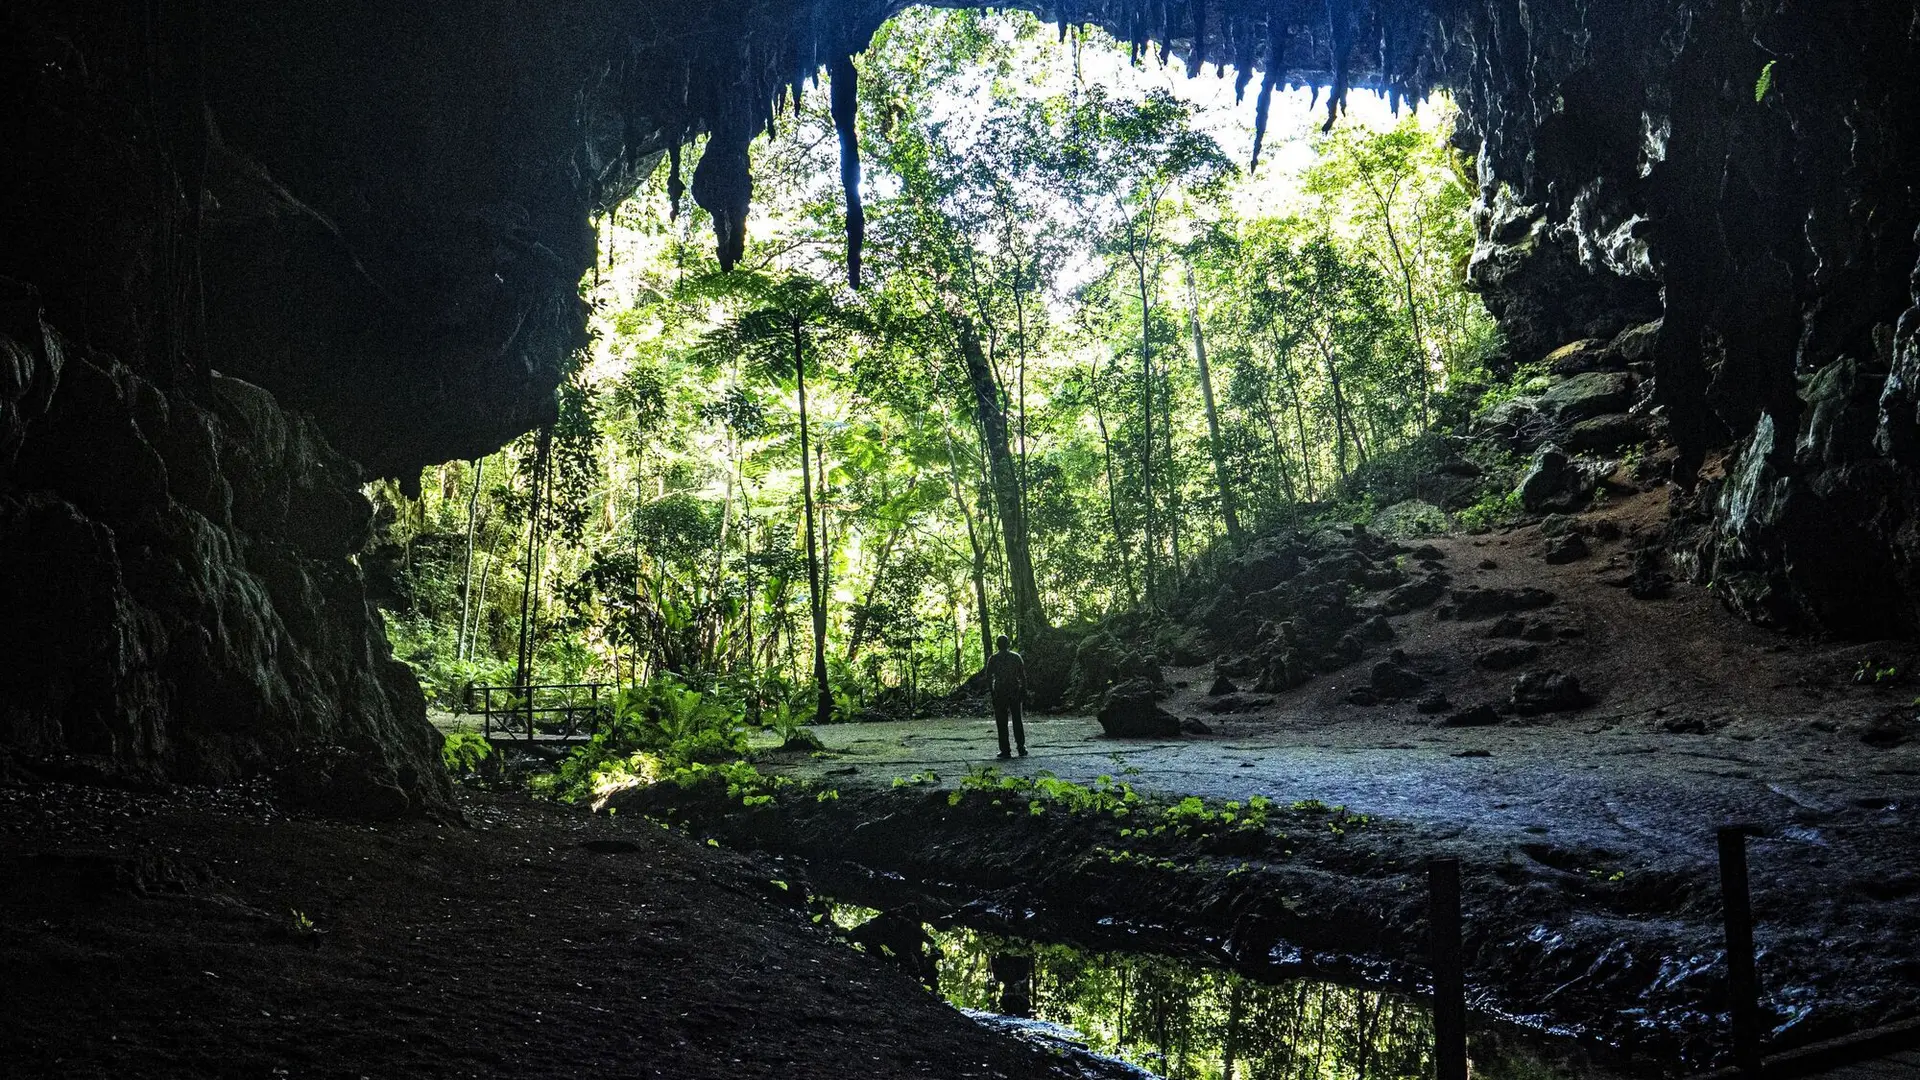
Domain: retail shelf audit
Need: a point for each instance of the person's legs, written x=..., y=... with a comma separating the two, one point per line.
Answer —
x=1000, y=711
x=1019, y=728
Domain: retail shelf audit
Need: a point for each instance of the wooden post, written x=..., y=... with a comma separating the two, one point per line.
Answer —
x=486, y=705
x=1449, y=970
x=1743, y=981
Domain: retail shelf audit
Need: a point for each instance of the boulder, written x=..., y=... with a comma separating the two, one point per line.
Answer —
x=1221, y=686
x=1132, y=711
x=1193, y=725
x=1555, y=481
x=1547, y=691
x=1604, y=434
x=1391, y=680
x=1416, y=594
x=1586, y=395
x=1588, y=354
x=1566, y=549
x=1435, y=702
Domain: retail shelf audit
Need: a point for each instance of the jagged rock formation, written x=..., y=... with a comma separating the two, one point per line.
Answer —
x=379, y=214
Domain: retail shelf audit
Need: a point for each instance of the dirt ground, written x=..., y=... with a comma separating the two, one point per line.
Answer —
x=156, y=937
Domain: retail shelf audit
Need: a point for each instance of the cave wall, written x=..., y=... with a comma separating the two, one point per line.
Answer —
x=262, y=251
x=1631, y=172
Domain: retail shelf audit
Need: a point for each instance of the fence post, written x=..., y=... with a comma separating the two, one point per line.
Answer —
x=1743, y=980
x=1449, y=970
x=486, y=706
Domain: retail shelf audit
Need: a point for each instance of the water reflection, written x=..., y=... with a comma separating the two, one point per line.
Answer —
x=1184, y=1020
x=1188, y=1022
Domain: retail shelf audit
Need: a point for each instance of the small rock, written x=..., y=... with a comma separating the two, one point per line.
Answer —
x=1547, y=691
x=1193, y=725
x=1555, y=481
x=1433, y=703
x=1506, y=626
x=1566, y=549
x=1488, y=564
x=1538, y=631
x=1473, y=753
x=1362, y=696
x=1416, y=594
x=1649, y=581
x=1222, y=686
x=1391, y=680
x=1227, y=703
x=1507, y=657
x=1477, y=716
x=1377, y=629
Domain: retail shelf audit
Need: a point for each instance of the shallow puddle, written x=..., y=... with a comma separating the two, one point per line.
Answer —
x=1136, y=1014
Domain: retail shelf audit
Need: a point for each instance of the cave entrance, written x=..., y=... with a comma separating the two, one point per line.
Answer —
x=1095, y=350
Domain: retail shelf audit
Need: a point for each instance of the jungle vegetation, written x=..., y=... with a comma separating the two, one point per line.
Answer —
x=1091, y=351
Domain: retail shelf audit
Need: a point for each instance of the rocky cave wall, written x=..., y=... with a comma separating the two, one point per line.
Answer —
x=261, y=251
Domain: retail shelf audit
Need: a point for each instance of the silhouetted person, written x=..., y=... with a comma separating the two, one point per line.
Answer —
x=1007, y=681
x=1015, y=976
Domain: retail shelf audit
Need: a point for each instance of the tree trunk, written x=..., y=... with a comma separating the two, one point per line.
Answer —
x=466, y=576
x=858, y=632
x=523, y=654
x=1029, y=618
x=1229, y=509
x=1113, y=495
x=979, y=554
x=823, y=700
x=1148, y=554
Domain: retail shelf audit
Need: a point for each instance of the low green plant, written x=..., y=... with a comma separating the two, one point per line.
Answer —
x=463, y=752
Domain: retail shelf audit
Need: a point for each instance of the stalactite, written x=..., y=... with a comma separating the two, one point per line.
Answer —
x=844, y=87
x=1243, y=46
x=675, y=187
x=1198, y=57
x=1340, y=41
x=1277, y=32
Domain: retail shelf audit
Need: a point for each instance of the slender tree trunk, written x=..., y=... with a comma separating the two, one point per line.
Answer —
x=979, y=554
x=1029, y=617
x=1229, y=508
x=858, y=632
x=1113, y=496
x=480, y=594
x=1342, y=422
x=1413, y=308
x=823, y=699
x=466, y=576
x=1230, y=1051
x=523, y=655
x=1148, y=545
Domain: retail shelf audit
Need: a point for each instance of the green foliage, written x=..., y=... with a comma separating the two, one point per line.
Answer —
x=1045, y=261
x=464, y=751
x=1765, y=82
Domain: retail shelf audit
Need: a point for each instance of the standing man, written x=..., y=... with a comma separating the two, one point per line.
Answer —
x=1007, y=677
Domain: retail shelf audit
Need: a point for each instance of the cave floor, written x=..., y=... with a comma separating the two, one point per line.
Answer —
x=1699, y=720
x=156, y=936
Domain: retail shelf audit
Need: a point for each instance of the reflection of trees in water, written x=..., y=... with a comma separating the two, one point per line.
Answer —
x=1189, y=1022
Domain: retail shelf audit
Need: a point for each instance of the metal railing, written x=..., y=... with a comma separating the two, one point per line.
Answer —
x=571, y=711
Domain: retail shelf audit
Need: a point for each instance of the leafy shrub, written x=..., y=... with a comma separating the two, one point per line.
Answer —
x=464, y=751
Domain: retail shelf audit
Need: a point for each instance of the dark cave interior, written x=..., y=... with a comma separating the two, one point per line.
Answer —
x=256, y=254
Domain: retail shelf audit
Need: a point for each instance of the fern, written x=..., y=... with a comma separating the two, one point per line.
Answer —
x=1765, y=82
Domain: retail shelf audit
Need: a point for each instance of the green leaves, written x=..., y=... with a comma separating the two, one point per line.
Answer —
x=1765, y=82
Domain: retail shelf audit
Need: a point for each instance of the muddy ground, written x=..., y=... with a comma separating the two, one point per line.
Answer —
x=1587, y=836
x=149, y=936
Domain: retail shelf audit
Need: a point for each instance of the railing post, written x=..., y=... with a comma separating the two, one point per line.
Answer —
x=486, y=707
x=1743, y=980
x=1449, y=970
